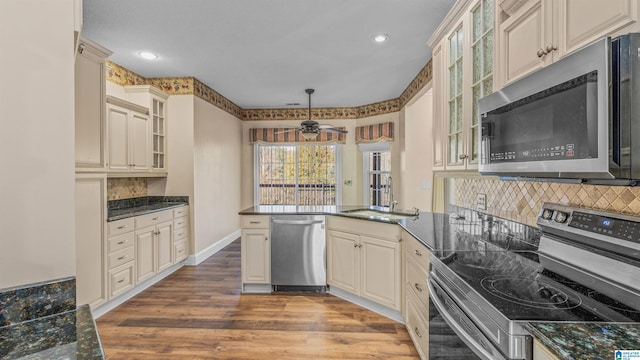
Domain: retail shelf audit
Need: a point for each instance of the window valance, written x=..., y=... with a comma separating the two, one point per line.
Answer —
x=284, y=135
x=374, y=133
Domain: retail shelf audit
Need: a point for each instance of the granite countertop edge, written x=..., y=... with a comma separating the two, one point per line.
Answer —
x=547, y=342
x=142, y=210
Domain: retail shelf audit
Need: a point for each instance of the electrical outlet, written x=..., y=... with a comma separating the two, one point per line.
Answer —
x=481, y=201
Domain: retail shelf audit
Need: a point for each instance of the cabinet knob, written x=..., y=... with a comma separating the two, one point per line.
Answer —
x=550, y=48
x=418, y=287
x=418, y=253
x=355, y=245
x=541, y=52
x=266, y=238
x=417, y=331
x=463, y=156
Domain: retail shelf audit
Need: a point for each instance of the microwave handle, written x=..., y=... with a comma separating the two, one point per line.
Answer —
x=615, y=102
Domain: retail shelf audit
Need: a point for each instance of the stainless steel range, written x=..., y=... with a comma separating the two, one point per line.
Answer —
x=586, y=268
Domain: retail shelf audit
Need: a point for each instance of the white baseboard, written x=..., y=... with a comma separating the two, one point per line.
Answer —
x=118, y=300
x=196, y=259
x=367, y=304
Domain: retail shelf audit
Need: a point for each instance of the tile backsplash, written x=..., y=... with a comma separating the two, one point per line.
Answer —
x=125, y=188
x=521, y=200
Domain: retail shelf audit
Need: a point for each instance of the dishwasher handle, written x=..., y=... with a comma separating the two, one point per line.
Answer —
x=296, y=222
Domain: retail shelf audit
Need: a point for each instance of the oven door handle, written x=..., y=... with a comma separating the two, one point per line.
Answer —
x=459, y=329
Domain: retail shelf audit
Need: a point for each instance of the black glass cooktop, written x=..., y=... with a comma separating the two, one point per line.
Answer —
x=519, y=287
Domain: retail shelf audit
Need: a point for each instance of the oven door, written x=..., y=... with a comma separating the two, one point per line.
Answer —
x=452, y=333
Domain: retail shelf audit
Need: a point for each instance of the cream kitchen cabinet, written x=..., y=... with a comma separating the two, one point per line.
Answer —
x=255, y=251
x=156, y=100
x=416, y=295
x=120, y=256
x=363, y=258
x=463, y=65
x=181, y=233
x=128, y=137
x=90, y=198
x=90, y=106
x=153, y=243
x=539, y=32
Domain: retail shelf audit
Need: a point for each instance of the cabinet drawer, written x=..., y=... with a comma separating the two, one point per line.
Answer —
x=180, y=251
x=115, y=228
x=255, y=221
x=417, y=280
x=180, y=223
x=418, y=327
x=181, y=211
x=121, y=279
x=153, y=219
x=364, y=227
x=119, y=242
x=180, y=234
x=120, y=257
x=415, y=250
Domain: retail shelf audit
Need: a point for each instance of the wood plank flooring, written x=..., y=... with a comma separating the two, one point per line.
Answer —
x=199, y=313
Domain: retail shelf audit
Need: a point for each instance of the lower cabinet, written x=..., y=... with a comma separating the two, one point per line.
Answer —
x=154, y=245
x=256, y=256
x=540, y=352
x=364, y=264
x=416, y=294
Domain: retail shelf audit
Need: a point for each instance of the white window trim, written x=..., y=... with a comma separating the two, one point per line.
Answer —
x=256, y=169
x=366, y=149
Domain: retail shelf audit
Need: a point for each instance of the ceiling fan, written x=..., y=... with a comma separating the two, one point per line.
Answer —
x=310, y=128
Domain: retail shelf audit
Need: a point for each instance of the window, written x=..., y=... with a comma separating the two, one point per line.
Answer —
x=302, y=174
x=378, y=172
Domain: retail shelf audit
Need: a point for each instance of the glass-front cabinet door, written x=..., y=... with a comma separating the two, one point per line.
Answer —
x=158, y=114
x=456, y=113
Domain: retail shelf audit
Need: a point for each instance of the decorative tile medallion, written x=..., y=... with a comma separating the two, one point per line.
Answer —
x=521, y=200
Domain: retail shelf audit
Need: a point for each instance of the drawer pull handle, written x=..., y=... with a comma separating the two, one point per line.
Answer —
x=180, y=234
x=418, y=253
x=122, y=242
x=417, y=331
x=121, y=280
x=122, y=227
x=418, y=287
x=255, y=222
x=122, y=257
x=155, y=218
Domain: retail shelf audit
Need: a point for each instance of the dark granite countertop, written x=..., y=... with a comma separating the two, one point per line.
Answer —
x=67, y=335
x=324, y=210
x=126, y=208
x=587, y=341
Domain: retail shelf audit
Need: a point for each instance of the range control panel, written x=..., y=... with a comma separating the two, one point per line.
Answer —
x=619, y=226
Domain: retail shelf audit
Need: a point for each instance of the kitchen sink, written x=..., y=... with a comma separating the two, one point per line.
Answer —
x=378, y=214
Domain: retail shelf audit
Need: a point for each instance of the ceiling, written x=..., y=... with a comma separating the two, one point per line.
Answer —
x=263, y=54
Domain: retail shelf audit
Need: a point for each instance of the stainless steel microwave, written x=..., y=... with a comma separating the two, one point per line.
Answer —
x=578, y=118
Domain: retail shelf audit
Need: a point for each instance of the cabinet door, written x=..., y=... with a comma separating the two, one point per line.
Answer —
x=118, y=133
x=583, y=21
x=540, y=352
x=145, y=257
x=91, y=198
x=380, y=268
x=158, y=119
x=164, y=243
x=256, y=259
x=439, y=100
x=343, y=261
x=523, y=40
x=139, y=142
x=89, y=111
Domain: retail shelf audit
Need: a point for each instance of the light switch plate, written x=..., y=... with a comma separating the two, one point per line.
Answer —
x=481, y=201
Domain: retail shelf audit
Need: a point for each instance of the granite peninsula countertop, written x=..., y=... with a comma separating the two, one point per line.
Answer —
x=126, y=208
x=586, y=341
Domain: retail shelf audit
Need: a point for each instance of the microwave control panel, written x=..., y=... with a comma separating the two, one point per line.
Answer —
x=559, y=152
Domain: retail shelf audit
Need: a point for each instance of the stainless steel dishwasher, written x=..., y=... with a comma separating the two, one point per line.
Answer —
x=298, y=253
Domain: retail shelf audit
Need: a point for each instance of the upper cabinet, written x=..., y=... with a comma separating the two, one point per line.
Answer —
x=90, y=106
x=156, y=100
x=463, y=73
x=536, y=33
x=136, y=132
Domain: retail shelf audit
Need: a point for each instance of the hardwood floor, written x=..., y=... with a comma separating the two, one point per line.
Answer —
x=199, y=313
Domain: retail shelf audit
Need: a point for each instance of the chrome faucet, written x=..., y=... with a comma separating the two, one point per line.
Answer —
x=389, y=190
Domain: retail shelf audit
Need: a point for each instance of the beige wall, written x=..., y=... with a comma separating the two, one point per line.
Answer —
x=351, y=157
x=37, y=220
x=417, y=173
x=217, y=170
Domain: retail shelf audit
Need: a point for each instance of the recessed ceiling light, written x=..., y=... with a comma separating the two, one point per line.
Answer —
x=380, y=38
x=148, y=55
